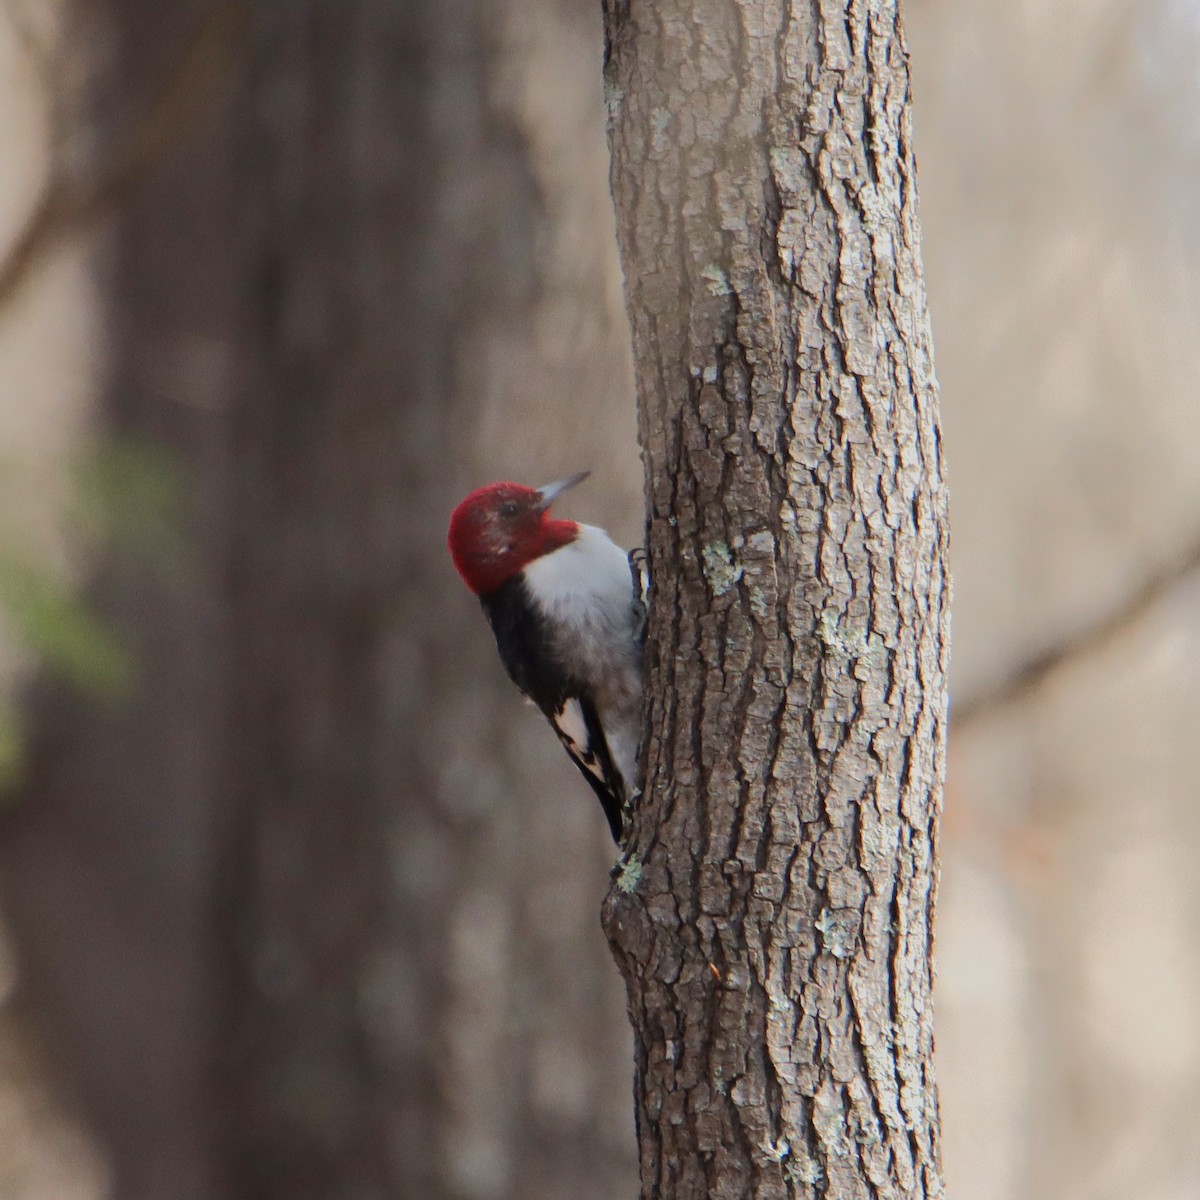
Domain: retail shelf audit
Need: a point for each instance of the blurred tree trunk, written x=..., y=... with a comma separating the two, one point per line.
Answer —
x=773, y=916
x=422, y=1007
x=313, y=913
x=107, y=852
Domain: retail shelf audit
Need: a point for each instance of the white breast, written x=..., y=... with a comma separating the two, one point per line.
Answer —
x=584, y=583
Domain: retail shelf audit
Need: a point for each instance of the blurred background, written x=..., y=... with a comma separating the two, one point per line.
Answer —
x=295, y=899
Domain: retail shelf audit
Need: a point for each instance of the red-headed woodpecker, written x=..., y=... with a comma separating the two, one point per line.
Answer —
x=567, y=607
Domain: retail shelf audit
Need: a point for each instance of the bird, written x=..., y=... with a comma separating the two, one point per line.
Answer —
x=567, y=607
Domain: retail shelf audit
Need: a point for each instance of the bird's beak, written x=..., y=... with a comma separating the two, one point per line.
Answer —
x=552, y=491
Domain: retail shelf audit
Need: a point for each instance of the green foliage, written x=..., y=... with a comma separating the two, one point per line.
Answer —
x=125, y=502
x=127, y=499
x=49, y=619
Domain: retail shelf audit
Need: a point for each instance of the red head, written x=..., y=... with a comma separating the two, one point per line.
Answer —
x=499, y=529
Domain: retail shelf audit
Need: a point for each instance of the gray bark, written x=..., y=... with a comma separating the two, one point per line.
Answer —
x=773, y=917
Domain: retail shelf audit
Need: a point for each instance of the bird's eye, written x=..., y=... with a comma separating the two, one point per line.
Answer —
x=510, y=509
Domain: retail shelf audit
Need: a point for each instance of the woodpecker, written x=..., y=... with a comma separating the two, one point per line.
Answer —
x=567, y=607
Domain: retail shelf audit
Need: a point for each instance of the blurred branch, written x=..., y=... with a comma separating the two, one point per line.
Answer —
x=32, y=45
x=66, y=206
x=1011, y=689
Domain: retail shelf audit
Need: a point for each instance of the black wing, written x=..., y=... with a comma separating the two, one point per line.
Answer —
x=578, y=728
x=527, y=655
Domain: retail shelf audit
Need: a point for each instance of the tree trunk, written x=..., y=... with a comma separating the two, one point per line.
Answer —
x=107, y=851
x=772, y=918
x=430, y=275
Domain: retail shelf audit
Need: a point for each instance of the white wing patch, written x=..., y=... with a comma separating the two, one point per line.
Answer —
x=571, y=726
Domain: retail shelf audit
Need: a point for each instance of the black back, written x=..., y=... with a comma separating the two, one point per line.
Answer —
x=524, y=644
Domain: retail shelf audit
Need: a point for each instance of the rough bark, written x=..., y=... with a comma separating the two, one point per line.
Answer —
x=772, y=918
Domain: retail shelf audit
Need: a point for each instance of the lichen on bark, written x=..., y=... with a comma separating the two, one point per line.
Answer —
x=776, y=940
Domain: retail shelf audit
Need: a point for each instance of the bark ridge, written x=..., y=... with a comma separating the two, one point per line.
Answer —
x=772, y=917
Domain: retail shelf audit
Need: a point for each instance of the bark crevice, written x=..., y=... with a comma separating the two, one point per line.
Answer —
x=775, y=939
